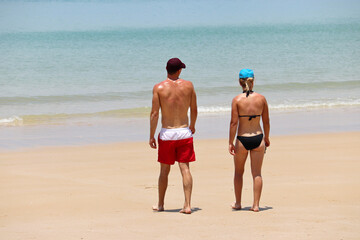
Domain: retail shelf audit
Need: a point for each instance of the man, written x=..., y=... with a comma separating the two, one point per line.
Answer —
x=174, y=96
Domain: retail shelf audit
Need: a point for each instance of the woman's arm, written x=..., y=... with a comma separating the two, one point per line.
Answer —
x=266, y=123
x=233, y=125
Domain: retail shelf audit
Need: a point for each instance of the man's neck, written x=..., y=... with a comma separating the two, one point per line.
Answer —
x=173, y=77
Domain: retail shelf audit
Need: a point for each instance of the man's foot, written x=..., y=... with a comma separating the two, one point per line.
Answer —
x=158, y=208
x=255, y=209
x=236, y=206
x=185, y=210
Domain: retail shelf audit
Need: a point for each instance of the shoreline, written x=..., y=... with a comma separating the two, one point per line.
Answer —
x=209, y=126
x=311, y=190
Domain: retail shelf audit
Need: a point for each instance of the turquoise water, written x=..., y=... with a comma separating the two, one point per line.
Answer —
x=48, y=77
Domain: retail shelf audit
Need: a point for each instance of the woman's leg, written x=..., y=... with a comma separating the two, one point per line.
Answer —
x=257, y=156
x=239, y=163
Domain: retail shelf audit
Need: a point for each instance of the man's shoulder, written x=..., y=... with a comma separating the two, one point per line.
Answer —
x=159, y=85
x=186, y=82
x=164, y=83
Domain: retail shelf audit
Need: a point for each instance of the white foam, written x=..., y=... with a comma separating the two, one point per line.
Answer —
x=213, y=109
x=284, y=107
x=11, y=121
x=316, y=105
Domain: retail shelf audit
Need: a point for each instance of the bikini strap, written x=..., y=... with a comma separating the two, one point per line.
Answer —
x=250, y=116
x=248, y=92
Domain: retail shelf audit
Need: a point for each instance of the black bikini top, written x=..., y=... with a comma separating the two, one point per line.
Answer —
x=249, y=116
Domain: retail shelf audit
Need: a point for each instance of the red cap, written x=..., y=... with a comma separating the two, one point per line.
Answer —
x=174, y=64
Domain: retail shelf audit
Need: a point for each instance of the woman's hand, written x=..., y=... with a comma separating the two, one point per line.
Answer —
x=267, y=142
x=232, y=149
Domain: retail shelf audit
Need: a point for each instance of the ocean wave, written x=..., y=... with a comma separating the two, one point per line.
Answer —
x=213, y=109
x=11, y=121
x=317, y=105
x=287, y=86
x=64, y=117
x=288, y=107
x=91, y=97
x=143, y=112
x=312, y=85
x=201, y=90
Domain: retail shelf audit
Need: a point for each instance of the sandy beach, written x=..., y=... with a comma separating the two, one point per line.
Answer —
x=77, y=84
x=311, y=191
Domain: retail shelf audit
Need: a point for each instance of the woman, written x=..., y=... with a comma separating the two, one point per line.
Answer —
x=246, y=109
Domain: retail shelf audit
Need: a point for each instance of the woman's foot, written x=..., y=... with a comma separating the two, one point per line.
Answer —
x=186, y=210
x=236, y=206
x=255, y=209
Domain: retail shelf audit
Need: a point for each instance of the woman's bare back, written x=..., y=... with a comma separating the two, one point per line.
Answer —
x=250, y=109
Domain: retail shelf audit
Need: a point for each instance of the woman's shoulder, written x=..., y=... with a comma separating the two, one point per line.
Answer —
x=258, y=95
x=255, y=95
x=238, y=97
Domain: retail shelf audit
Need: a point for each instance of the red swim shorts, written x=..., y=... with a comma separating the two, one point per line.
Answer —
x=176, y=150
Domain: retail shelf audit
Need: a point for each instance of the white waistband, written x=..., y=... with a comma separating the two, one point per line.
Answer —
x=174, y=133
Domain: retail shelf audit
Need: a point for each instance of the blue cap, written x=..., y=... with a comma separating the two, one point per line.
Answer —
x=246, y=73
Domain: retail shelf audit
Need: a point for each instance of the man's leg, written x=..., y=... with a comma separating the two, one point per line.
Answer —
x=187, y=184
x=162, y=184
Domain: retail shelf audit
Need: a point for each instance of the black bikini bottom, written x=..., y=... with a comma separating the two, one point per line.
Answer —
x=251, y=142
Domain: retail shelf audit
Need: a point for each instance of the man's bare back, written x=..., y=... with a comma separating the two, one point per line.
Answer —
x=175, y=98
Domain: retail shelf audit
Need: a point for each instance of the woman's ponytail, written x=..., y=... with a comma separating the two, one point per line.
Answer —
x=247, y=89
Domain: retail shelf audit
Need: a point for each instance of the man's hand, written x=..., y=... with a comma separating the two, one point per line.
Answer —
x=232, y=149
x=152, y=142
x=192, y=128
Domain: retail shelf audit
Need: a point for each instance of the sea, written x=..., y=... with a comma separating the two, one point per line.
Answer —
x=90, y=86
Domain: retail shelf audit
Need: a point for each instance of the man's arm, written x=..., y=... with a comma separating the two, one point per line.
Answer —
x=193, y=111
x=233, y=125
x=154, y=116
x=266, y=123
